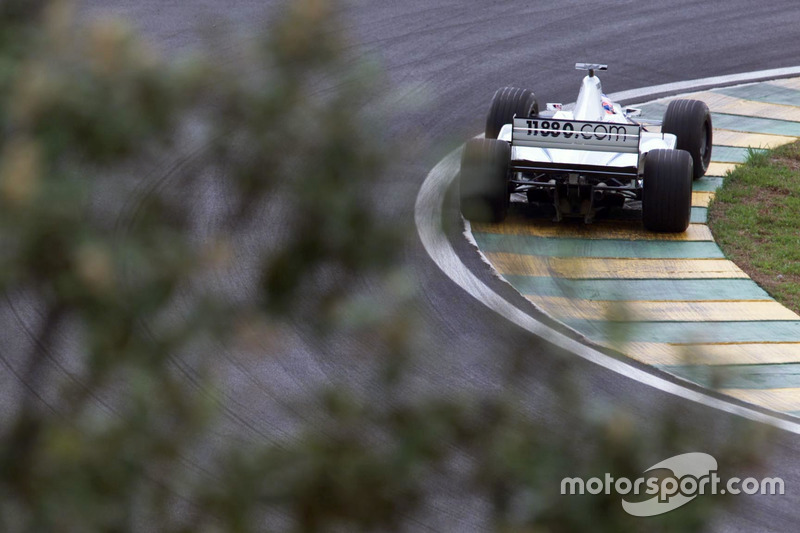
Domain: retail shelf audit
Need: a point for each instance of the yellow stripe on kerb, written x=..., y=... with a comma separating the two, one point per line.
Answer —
x=721, y=103
x=568, y=229
x=720, y=169
x=712, y=354
x=776, y=399
x=701, y=198
x=741, y=139
x=601, y=268
x=791, y=83
x=645, y=311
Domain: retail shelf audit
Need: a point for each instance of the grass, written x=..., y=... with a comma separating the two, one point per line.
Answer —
x=755, y=218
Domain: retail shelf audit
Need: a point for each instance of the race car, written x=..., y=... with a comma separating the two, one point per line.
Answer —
x=591, y=156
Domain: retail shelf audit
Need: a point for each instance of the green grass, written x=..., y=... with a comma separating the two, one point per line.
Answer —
x=755, y=218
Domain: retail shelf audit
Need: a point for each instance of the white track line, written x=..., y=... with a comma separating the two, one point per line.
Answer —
x=428, y=218
x=716, y=81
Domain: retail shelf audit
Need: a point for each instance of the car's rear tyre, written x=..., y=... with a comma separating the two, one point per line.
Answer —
x=507, y=102
x=690, y=121
x=483, y=181
x=667, y=191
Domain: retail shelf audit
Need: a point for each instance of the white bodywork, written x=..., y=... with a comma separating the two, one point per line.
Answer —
x=589, y=107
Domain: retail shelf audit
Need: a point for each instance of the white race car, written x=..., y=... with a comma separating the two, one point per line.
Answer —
x=593, y=156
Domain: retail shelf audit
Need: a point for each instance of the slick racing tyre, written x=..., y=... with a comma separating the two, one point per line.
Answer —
x=690, y=121
x=506, y=103
x=483, y=181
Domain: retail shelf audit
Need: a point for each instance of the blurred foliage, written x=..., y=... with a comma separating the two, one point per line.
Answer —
x=113, y=277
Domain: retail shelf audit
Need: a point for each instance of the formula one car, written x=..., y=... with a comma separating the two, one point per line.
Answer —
x=592, y=156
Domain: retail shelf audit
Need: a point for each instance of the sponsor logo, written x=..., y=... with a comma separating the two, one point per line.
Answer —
x=691, y=475
x=589, y=131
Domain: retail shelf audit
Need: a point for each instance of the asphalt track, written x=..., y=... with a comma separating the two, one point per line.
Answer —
x=444, y=60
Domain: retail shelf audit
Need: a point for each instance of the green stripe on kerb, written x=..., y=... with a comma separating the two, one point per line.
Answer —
x=707, y=183
x=688, y=332
x=775, y=376
x=730, y=154
x=554, y=247
x=763, y=92
x=653, y=290
x=654, y=111
x=699, y=215
x=755, y=124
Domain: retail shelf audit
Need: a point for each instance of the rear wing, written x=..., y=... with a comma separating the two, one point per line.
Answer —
x=535, y=132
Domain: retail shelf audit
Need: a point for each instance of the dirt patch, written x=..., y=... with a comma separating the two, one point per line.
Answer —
x=790, y=163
